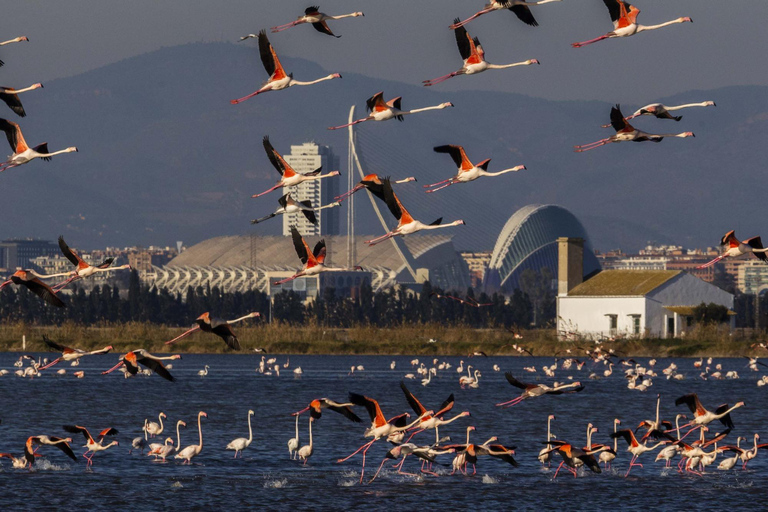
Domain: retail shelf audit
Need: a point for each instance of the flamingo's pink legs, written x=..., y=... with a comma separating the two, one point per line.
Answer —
x=348, y=193
x=631, y=464
x=63, y=284
x=113, y=368
x=287, y=279
x=349, y=124
x=280, y=28
x=268, y=191
x=592, y=145
x=462, y=23
x=240, y=100
x=584, y=43
x=451, y=182
x=50, y=364
x=440, y=79
x=6, y=166
x=510, y=403
x=380, y=239
x=183, y=335
x=710, y=263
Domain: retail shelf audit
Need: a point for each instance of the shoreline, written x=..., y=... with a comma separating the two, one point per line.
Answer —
x=368, y=340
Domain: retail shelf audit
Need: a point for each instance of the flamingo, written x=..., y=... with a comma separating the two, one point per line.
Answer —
x=729, y=463
x=22, y=153
x=626, y=132
x=748, y=455
x=607, y=456
x=60, y=443
x=163, y=451
x=473, y=55
x=157, y=449
x=132, y=359
x=242, y=443
x=434, y=421
x=381, y=110
x=93, y=445
x=293, y=443
x=306, y=451
x=633, y=447
x=663, y=111
x=16, y=462
x=204, y=371
x=380, y=427
x=736, y=248
x=702, y=416
x=519, y=7
x=220, y=328
x=316, y=407
x=154, y=428
x=289, y=177
x=69, y=354
x=10, y=96
x=33, y=282
x=535, y=390
x=406, y=225
x=313, y=261
x=467, y=170
x=373, y=184
x=545, y=455
x=290, y=205
x=14, y=40
x=624, y=17
x=83, y=269
x=471, y=452
x=139, y=443
x=673, y=449
x=316, y=18
x=193, y=450
x=278, y=78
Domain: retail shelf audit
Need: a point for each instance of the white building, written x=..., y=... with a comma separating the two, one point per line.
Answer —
x=305, y=158
x=626, y=303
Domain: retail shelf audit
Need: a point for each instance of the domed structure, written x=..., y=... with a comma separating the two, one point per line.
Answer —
x=529, y=240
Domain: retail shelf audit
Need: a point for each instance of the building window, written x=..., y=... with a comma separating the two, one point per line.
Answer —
x=636, y=324
x=613, y=324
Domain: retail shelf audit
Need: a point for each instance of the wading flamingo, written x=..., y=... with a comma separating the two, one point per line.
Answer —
x=193, y=450
x=634, y=447
x=153, y=428
x=316, y=18
x=467, y=170
x=381, y=110
x=306, y=451
x=242, y=443
x=293, y=443
x=278, y=78
x=60, y=443
x=93, y=445
x=22, y=153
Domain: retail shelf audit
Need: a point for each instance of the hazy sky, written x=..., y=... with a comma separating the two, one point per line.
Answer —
x=724, y=46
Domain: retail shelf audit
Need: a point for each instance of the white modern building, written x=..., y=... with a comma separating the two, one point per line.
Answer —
x=306, y=158
x=627, y=303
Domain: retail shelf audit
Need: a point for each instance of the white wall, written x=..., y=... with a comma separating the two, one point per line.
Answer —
x=587, y=315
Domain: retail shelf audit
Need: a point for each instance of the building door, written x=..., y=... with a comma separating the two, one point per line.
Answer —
x=670, y=327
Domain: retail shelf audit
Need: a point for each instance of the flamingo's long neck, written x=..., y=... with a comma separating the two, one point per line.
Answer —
x=340, y=16
x=310, y=433
x=239, y=319
x=297, y=428
x=250, y=432
x=16, y=40
x=441, y=226
x=468, y=431
x=145, y=429
x=417, y=110
x=46, y=155
x=30, y=88
x=658, y=403
x=643, y=28
x=160, y=417
x=513, y=169
x=615, y=439
x=200, y=430
x=589, y=437
x=296, y=82
x=505, y=66
x=549, y=422
x=178, y=435
x=109, y=269
x=678, y=107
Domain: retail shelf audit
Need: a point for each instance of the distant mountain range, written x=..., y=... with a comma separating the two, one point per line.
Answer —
x=165, y=157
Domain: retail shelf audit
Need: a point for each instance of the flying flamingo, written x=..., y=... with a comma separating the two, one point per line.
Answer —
x=278, y=78
x=306, y=451
x=624, y=17
x=634, y=447
x=574, y=457
x=313, y=261
x=22, y=153
x=737, y=248
x=289, y=177
x=132, y=359
x=83, y=269
x=467, y=170
x=535, y=390
x=92, y=444
x=380, y=426
x=32, y=281
x=220, y=328
x=663, y=112
x=430, y=421
x=381, y=110
x=10, y=96
x=14, y=40
x=472, y=53
x=518, y=7
x=701, y=416
x=373, y=184
x=60, y=443
x=242, y=443
x=154, y=428
x=17, y=462
x=406, y=225
x=316, y=407
x=626, y=132
x=406, y=449
x=316, y=18
x=69, y=354
x=193, y=450
x=290, y=205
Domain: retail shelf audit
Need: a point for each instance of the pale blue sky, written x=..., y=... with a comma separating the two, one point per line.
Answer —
x=409, y=40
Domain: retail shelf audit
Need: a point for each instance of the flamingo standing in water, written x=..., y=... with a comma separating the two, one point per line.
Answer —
x=278, y=78
x=624, y=17
x=60, y=443
x=93, y=445
x=289, y=177
x=381, y=110
x=22, y=153
x=472, y=53
x=380, y=426
x=374, y=185
x=242, y=443
x=11, y=97
x=313, y=261
x=69, y=354
x=290, y=205
x=545, y=455
x=33, y=282
x=153, y=428
x=293, y=443
x=132, y=359
x=306, y=451
x=220, y=328
x=626, y=132
x=736, y=248
x=518, y=7
x=14, y=40
x=316, y=18
x=193, y=450
x=83, y=269
x=467, y=170
x=406, y=225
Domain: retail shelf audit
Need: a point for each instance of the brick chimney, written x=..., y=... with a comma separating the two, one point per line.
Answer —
x=570, y=264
